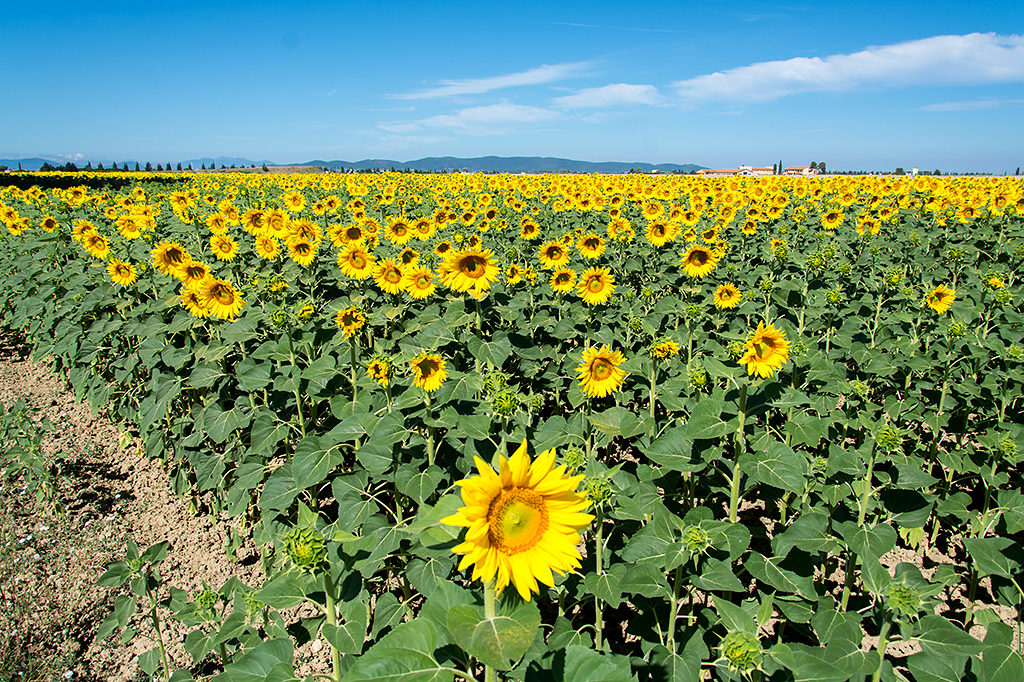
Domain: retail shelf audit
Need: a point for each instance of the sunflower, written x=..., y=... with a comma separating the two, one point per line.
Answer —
x=831, y=219
x=194, y=304
x=380, y=370
x=350, y=320
x=96, y=244
x=418, y=282
x=220, y=298
x=293, y=201
x=599, y=373
x=469, y=270
x=766, y=352
x=428, y=371
x=698, y=261
x=596, y=285
x=529, y=230
x=50, y=224
x=254, y=221
x=563, y=281
x=727, y=296
x=355, y=261
x=553, y=254
x=653, y=210
x=224, y=247
x=267, y=248
x=523, y=522
x=193, y=274
x=129, y=227
x=169, y=256
x=388, y=276
x=664, y=348
x=513, y=274
x=442, y=248
x=302, y=251
x=398, y=231
x=424, y=228
x=122, y=273
x=217, y=223
x=276, y=223
x=590, y=245
x=80, y=229
x=658, y=233
x=940, y=299
x=408, y=256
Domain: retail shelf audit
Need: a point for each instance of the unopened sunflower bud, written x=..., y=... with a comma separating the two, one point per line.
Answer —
x=1007, y=447
x=741, y=651
x=598, y=490
x=834, y=297
x=574, y=457
x=279, y=319
x=695, y=539
x=766, y=285
x=306, y=549
x=889, y=438
x=1003, y=296
x=505, y=403
x=206, y=600
x=860, y=389
x=697, y=378
x=736, y=349
x=956, y=329
x=845, y=268
x=903, y=600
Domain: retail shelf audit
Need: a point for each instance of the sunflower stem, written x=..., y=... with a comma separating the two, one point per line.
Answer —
x=490, y=674
x=598, y=608
x=298, y=396
x=353, y=363
x=430, y=433
x=737, y=474
x=654, y=377
x=332, y=619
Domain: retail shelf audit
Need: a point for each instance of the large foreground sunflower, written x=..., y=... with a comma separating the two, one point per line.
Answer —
x=523, y=522
x=766, y=352
x=599, y=373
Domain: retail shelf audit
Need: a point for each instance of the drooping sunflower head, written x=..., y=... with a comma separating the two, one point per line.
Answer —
x=522, y=522
x=429, y=371
x=940, y=298
x=698, y=261
x=727, y=296
x=596, y=285
x=598, y=373
x=766, y=351
x=664, y=348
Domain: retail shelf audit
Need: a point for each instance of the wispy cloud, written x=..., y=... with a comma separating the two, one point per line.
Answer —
x=610, y=95
x=541, y=74
x=971, y=105
x=492, y=119
x=941, y=60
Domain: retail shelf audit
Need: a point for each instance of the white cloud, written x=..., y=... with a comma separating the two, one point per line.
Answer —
x=492, y=119
x=541, y=74
x=941, y=60
x=610, y=95
x=971, y=105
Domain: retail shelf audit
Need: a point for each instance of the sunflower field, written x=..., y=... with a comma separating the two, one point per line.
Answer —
x=558, y=427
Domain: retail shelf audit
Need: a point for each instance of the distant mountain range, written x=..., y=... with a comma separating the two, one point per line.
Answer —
x=501, y=164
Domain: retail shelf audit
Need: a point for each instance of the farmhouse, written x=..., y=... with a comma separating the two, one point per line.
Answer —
x=742, y=170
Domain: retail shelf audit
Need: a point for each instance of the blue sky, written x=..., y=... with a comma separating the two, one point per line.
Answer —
x=859, y=85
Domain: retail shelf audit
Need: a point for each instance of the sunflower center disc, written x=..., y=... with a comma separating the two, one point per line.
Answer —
x=595, y=285
x=763, y=348
x=427, y=368
x=223, y=296
x=601, y=369
x=473, y=267
x=518, y=519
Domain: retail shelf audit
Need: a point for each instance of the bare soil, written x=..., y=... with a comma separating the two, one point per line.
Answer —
x=50, y=607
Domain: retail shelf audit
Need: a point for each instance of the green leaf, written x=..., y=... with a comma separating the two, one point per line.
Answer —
x=942, y=638
x=311, y=464
x=718, y=575
x=618, y=421
x=348, y=637
x=499, y=641
x=494, y=352
x=252, y=375
x=583, y=664
x=778, y=466
x=706, y=420
x=419, y=485
x=674, y=451
x=124, y=608
x=932, y=667
x=404, y=655
x=284, y=590
x=808, y=533
x=279, y=491
x=995, y=556
x=768, y=571
x=1001, y=664
x=875, y=541
x=605, y=586
x=271, y=661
